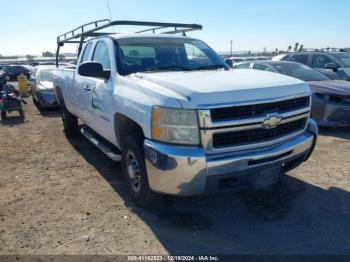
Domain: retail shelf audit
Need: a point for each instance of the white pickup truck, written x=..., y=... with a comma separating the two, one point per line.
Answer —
x=168, y=107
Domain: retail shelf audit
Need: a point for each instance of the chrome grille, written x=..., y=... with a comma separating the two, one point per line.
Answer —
x=236, y=112
x=257, y=135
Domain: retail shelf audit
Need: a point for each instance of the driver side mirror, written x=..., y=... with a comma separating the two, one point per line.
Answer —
x=229, y=62
x=93, y=69
x=332, y=66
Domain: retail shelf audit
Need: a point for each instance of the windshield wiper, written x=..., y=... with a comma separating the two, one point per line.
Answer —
x=210, y=67
x=164, y=68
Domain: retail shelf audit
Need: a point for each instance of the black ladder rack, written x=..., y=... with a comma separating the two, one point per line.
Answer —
x=79, y=34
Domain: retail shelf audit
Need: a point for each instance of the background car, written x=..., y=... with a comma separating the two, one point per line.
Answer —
x=42, y=87
x=2, y=79
x=330, y=98
x=335, y=65
x=12, y=72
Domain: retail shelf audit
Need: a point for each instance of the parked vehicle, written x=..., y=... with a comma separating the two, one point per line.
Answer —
x=42, y=87
x=330, y=98
x=184, y=123
x=335, y=65
x=12, y=72
x=2, y=79
x=10, y=101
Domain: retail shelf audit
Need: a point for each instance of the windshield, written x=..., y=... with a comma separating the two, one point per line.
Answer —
x=46, y=75
x=165, y=54
x=299, y=71
x=344, y=58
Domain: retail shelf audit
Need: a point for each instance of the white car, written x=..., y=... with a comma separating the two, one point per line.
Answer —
x=179, y=120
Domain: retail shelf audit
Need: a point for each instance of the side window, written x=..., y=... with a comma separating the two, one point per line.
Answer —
x=242, y=66
x=300, y=58
x=320, y=61
x=262, y=67
x=86, y=53
x=286, y=58
x=101, y=55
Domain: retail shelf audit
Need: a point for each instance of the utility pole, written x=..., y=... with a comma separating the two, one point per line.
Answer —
x=231, y=43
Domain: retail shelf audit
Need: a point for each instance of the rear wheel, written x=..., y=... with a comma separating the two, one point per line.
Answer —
x=135, y=173
x=70, y=122
x=3, y=115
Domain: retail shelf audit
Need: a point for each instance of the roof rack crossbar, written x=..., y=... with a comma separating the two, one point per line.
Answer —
x=79, y=34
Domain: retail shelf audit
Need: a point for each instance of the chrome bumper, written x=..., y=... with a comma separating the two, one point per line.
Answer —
x=188, y=171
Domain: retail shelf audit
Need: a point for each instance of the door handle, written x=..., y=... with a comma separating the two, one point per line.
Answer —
x=87, y=88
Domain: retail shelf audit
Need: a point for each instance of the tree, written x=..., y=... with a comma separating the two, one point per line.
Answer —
x=301, y=48
x=289, y=48
x=296, y=46
x=48, y=54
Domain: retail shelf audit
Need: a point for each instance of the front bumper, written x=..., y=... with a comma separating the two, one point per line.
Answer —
x=47, y=99
x=188, y=171
x=331, y=114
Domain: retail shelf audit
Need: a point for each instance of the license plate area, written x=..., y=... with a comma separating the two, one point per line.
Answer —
x=266, y=177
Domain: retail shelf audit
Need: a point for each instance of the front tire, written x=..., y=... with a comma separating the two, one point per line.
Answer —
x=70, y=122
x=135, y=173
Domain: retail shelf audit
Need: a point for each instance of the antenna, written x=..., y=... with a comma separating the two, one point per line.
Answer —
x=110, y=16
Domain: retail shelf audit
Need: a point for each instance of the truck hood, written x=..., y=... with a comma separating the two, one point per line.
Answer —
x=331, y=87
x=203, y=89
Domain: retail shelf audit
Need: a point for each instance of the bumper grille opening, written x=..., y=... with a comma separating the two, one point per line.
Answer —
x=237, y=112
x=257, y=135
x=269, y=159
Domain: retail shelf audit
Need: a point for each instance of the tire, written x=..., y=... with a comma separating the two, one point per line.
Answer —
x=3, y=115
x=70, y=122
x=37, y=104
x=22, y=114
x=135, y=173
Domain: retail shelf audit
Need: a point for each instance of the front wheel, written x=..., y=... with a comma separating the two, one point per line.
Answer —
x=70, y=122
x=135, y=173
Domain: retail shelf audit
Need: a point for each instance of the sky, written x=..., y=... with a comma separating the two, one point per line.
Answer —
x=31, y=27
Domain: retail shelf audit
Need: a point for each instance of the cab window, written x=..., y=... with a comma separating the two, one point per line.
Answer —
x=300, y=59
x=242, y=66
x=101, y=55
x=86, y=53
x=262, y=67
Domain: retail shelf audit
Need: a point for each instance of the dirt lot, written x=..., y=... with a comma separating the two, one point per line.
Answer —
x=60, y=196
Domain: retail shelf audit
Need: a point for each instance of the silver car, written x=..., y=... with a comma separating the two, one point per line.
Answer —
x=330, y=98
x=42, y=87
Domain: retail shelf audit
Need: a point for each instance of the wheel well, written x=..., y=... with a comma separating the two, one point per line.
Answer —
x=125, y=126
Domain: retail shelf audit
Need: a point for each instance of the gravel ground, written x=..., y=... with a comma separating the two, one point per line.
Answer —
x=60, y=196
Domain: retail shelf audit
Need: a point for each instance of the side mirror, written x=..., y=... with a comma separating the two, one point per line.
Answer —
x=93, y=69
x=332, y=66
x=229, y=62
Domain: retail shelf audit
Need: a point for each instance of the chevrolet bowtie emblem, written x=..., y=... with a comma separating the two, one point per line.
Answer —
x=272, y=121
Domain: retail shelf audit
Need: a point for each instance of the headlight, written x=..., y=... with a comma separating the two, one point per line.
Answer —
x=178, y=126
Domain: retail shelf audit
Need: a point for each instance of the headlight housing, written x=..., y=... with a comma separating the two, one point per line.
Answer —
x=177, y=126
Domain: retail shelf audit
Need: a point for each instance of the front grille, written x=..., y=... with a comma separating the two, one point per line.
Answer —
x=257, y=135
x=236, y=112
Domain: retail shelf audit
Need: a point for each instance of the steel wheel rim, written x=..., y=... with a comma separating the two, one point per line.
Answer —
x=133, y=170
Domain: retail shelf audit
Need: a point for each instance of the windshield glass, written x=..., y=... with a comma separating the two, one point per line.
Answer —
x=165, y=54
x=46, y=75
x=344, y=58
x=299, y=71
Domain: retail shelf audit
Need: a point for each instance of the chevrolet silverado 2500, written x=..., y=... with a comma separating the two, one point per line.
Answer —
x=181, y=123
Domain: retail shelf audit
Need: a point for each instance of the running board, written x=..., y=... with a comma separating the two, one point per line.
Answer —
x=107, y=150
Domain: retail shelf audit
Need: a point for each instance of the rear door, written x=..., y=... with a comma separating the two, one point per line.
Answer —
x=82, y=87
